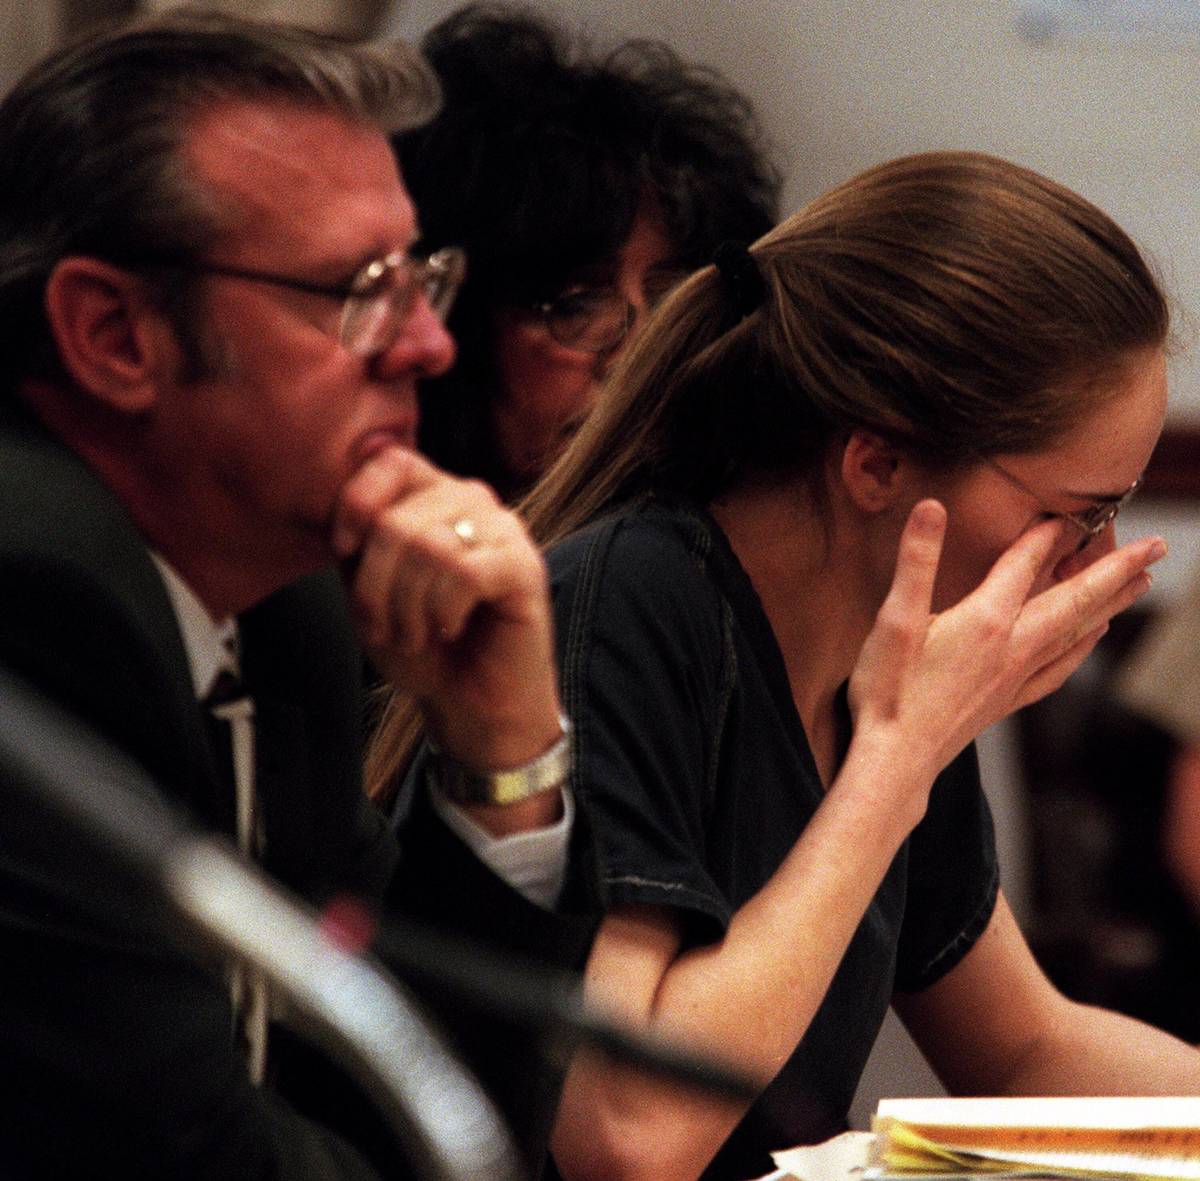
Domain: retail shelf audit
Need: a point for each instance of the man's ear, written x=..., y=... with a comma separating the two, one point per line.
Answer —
x=872, y=471
x=109, y=333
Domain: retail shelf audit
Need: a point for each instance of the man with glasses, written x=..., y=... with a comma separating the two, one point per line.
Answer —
x=215, y=330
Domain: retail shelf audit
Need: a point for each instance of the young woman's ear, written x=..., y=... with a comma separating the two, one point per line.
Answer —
x=872, y=471
x=108, y=331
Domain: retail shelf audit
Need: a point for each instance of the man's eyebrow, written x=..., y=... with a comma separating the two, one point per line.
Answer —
x=348, y=268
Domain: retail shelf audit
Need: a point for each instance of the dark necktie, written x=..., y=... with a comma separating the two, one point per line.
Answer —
x=230, y=717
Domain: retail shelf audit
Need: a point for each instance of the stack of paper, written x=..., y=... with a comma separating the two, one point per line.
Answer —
x=1140, y=1139
x=844, y=1158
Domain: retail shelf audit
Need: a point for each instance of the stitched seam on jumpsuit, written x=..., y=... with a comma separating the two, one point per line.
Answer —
x=678, y=889
x=702, y=551
x=582, y=607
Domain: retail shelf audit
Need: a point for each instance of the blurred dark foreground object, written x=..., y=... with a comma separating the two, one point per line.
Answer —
x=343, y=1001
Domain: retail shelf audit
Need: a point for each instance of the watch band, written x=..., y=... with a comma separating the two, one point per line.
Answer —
x=465, y=785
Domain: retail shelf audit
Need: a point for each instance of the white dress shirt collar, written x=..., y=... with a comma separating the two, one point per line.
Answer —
x=533, y=862
x=211, y=647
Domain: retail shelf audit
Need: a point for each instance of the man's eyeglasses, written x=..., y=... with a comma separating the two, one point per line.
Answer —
x=1091, y=521
x=598, y=319
x=375, y=302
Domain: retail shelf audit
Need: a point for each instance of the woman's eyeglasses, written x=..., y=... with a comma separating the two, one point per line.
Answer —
x=1091, y=521
x=598, y=319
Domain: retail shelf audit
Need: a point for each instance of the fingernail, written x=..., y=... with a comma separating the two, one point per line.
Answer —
x=1158, y=550
x=928, y=515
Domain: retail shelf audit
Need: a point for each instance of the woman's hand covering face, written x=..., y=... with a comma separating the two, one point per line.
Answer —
x=933, y=682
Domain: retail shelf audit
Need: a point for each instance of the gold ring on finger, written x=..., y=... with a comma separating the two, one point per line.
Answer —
x=465, y=531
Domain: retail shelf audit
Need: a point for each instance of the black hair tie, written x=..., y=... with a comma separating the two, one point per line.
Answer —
x=741, y=276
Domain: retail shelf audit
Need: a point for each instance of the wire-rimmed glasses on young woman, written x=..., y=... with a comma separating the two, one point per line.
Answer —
x=1091, y=521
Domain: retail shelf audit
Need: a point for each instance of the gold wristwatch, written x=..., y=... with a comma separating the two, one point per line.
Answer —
x=466, y=785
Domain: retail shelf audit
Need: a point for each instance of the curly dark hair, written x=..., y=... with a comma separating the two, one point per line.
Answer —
x=537, y=164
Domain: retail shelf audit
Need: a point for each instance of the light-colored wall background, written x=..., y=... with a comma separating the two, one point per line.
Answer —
x=27, y=29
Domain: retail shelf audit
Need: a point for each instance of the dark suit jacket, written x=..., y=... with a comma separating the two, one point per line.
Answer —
x=116, y=1043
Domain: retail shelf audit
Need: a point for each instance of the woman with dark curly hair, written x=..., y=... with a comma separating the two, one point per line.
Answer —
x=582, y=187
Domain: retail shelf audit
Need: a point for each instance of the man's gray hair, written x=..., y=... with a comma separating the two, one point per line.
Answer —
x=91, y=139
